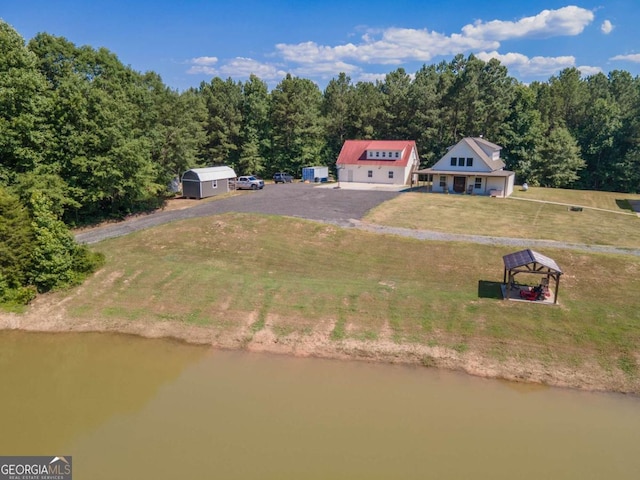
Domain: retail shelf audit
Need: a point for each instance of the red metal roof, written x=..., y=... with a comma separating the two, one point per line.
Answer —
x=354, y=152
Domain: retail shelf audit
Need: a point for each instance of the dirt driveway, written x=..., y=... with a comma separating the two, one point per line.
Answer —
x=301, y=200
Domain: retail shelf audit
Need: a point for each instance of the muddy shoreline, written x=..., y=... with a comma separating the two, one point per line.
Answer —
x=50, y=317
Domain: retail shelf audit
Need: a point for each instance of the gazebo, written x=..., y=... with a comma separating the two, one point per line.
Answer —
x=528, y=261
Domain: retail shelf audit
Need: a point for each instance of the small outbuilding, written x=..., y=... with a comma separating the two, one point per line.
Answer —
x=530, y=262
x=315, y=174
x=206, y=182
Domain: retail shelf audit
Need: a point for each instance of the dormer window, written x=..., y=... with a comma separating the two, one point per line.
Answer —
x=469, y=162
x=454, y=161
x=382, y=154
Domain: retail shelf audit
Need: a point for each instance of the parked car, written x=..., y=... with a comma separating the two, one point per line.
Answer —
x=282, y=177
x=249, y=182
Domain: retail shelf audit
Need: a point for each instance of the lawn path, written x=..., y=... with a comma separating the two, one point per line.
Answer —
x=486, y=240
x=637, y=211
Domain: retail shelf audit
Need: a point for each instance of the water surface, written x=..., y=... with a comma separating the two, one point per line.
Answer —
x=132, y=408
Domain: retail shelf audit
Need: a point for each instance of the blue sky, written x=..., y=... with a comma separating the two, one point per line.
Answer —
x=191, y=41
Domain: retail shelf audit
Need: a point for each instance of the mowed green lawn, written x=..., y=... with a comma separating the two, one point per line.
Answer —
x=302, y=277
x=608, y=222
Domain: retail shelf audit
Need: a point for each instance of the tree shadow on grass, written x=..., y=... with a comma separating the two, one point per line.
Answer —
x=624, y=204
x=634, y=205
x=489, y=289
x=627, y=204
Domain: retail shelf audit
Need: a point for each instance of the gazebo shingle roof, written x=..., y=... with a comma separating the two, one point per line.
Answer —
x=525, y=257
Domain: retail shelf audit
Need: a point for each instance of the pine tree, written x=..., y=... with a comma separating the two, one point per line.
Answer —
x=297, y=130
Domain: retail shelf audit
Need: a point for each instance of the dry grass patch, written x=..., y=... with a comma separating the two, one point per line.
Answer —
x=614, y=201
x=480, y=215
x=243, y=273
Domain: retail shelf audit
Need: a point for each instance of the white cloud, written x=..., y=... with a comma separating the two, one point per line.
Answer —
x=237, y=67
x=569, y=20
x=202, y=69
x=587, y=70
x=202, y=65
x=372, y=77
x=310, y=52
x=635, y=57
x=537, y=66
x=606, y=27
x=395, y=46
x=534, y=66
x=204, y=60
x=326, y=69
x=243, y=67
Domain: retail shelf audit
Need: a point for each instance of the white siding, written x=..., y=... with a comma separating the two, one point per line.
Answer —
x=378, y=174
x=462, y=150
x=436, y=184
x=498, y=183
x=487, y=184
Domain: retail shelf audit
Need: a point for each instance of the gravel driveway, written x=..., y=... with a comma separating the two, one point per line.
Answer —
x=303, y=200
x=343, y=207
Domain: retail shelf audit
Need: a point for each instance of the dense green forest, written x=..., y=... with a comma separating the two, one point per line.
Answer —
x=84, y=137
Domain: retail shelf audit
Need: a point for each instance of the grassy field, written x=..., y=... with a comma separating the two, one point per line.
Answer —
x=616, y=202
x=608, y=221
x=302, y=277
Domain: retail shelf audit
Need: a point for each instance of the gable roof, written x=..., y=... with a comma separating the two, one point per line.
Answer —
x=526, y=257
x=481, y=148
x=482, y=141
x=209, y=173
x=354, y=152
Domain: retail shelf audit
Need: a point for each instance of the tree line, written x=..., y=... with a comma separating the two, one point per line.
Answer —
x=99, y=140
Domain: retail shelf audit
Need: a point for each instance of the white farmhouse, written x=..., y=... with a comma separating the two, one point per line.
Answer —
x=473, y=166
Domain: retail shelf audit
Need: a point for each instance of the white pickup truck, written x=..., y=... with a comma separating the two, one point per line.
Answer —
x=249, y=182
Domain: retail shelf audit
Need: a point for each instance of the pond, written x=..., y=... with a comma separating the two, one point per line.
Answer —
x=132, y=408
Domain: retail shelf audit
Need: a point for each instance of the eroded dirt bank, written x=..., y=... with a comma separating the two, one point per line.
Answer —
x=45, y=315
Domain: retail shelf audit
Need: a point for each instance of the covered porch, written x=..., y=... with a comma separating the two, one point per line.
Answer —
x=497, y=184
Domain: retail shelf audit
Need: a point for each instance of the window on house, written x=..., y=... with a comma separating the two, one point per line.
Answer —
x=443, y=181
x=478, y=183
x=390, y=173
x=469, y=162
x=377, y=154
x=384, y=154
x=397, y=154
x=461, y=162
x=370, y=173
x=454, y=161
x=214, y=184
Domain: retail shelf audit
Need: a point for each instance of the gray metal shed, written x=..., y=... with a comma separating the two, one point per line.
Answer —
x=206, y=182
